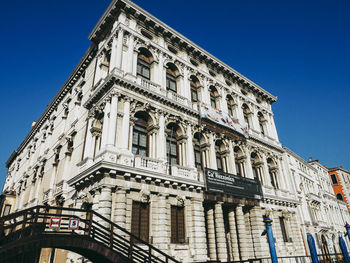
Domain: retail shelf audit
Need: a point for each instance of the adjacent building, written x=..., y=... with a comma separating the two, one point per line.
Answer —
x=166, y=140
x=340, y=179
x=320, y=212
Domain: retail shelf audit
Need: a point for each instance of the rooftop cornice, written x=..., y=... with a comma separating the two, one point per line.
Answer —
x=299, y=158
x=67, y=86
x=106, y=21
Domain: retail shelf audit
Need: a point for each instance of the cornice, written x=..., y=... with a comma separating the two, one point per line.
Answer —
x=108, y=84
x=67, y=86
x=299, y=158
x=107, y=19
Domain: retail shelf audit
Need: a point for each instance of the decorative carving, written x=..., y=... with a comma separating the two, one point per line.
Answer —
x=145, y=196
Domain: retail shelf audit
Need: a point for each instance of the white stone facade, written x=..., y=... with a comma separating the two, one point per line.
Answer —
x=87, y=147
x=320, y=212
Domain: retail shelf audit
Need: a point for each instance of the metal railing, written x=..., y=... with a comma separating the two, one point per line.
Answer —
x=329, y=258
x=36, y=220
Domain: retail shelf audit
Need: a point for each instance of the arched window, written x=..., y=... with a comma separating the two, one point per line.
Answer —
x=194, y=82
x=197, y=150
x=213, y=97
x=246, y=114
x=172, y=149
x=239, y=161
x=340, y=197
x=144, y=61
x=261, y=122
x=140, y=136
x=257, y=166
x=171, y=75
x=230, y=105
x=273, y=173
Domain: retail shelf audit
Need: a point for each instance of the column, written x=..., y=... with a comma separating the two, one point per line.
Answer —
x=119, y=50
x=198, y=230
x=120, y=209
x=233, y=235
x=239, y=111
x=105, y=203
x=114, y=48
x=126, y=124
x=242, y=233
x=249, y=167
x=273, y=128
x=223, y=102
x=190, y=152
x=96, y=202
x=113, y=121
x=88, y=153
x=130, y=54
x=266, y=172
x=220, y=233
x=211, y=234
x=161, y=137
x=212, y=156
x=186, y=85
x=232, y=162
x=160, y=230
x=105, y=124
x=260, y=244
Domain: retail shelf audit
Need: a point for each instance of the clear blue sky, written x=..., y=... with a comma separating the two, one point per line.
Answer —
x=297, y=50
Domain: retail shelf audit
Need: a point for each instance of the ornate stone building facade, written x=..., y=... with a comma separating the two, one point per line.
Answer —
x=320, y=212
x=135, y=132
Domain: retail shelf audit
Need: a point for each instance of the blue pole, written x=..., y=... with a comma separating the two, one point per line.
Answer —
x=270, y=239
x=312, y=246
x=347, y=226
x=344, y=250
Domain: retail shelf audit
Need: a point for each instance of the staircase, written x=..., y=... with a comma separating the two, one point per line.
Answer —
x=83, y=231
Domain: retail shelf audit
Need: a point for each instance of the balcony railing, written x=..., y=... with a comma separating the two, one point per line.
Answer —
x=149, y=164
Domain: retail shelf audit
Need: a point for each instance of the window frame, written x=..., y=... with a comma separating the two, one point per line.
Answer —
x=178, y=228
x=143, y=64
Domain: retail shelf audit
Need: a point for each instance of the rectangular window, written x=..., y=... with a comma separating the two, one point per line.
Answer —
x=171, y=83
x=7, y=210
x=177, y=225
x=194, y=94
x=140, y=220
x=283, y=229
x=334, y=179
x=143, y=69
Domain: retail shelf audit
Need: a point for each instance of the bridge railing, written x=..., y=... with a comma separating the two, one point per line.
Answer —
x=39, y=219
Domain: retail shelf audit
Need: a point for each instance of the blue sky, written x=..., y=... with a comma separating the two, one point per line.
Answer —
x=297, y=50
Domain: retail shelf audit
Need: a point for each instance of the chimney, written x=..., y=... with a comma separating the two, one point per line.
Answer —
x=310, y=159
x=341, y=167
x=33, y=123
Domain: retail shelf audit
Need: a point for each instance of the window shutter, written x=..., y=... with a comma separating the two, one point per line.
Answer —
x=144, y=222
x=173, y=225
x=181, y=224
x=135, y=219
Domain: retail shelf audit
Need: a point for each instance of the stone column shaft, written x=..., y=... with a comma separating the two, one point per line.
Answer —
x=198, y=231
x=220, y=233
x=113, y=122
x=119, y=50
x=105, y=125
x=211, y=234
x=126, y=124
x=242, y=233
x=88, y=140
x=161, y=139
x=233, y=235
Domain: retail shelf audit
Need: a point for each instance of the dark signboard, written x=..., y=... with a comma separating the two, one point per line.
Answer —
x=220, y=182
